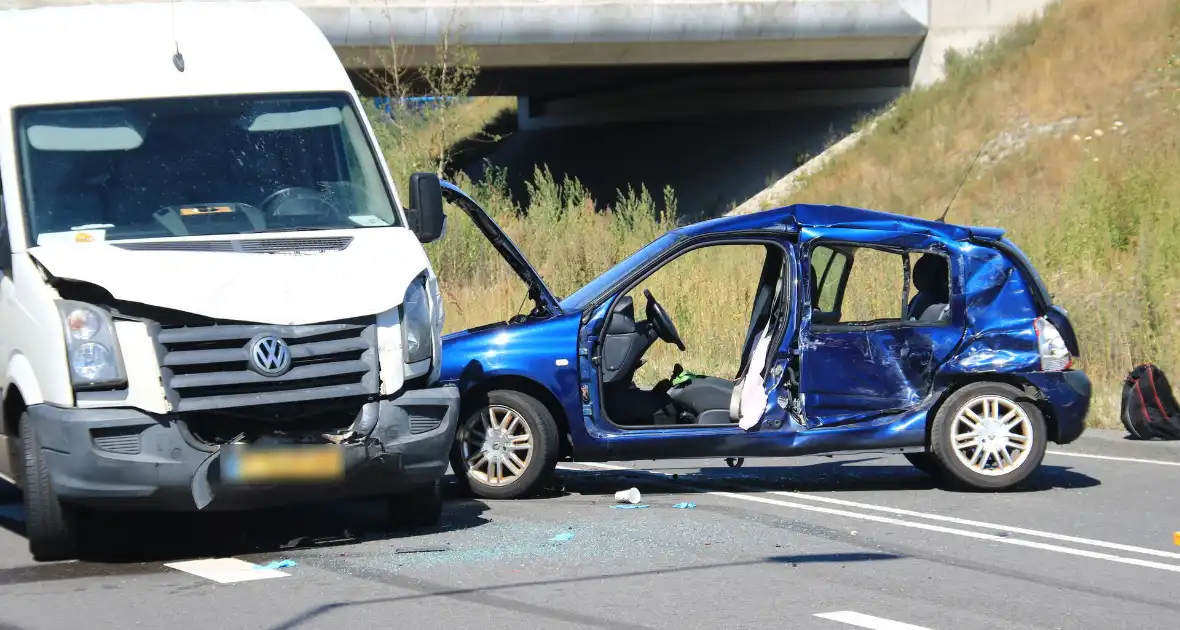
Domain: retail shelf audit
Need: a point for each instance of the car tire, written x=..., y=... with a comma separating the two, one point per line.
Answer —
x=925, y=462
x=520, y=415
x=977, y=461
x=51, y=526
x=421, y=507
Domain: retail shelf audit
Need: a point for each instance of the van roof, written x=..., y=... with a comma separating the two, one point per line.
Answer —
x=103, y=52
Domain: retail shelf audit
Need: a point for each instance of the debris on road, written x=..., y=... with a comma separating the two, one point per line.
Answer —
x=423, y=549
x=345, y=538
x=686, y=505
x=629, y=507
x=563, y=537
x=277, y=564
x=628, y=496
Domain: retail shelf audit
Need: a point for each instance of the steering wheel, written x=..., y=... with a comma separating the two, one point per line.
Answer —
x=274, y=202
x=662, y=322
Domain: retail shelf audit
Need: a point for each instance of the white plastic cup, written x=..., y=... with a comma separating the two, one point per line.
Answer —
x=628, y=496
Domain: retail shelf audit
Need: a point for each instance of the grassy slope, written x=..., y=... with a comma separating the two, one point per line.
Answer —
x=1099, y=216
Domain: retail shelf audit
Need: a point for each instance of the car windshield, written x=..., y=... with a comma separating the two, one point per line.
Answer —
x=198, y=166
x=582, y=298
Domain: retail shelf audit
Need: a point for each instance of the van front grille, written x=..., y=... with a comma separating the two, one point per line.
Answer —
x=209, y=367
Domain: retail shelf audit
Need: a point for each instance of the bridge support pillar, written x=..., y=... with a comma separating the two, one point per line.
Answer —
x=961, y=25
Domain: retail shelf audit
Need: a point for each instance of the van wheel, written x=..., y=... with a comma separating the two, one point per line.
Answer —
x=988, y=436
x=421, y=507
x=50, y=525
x=924, y=462
x=505, y=447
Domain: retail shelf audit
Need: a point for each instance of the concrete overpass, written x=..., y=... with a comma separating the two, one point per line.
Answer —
x=713, y=97
x=596, y=61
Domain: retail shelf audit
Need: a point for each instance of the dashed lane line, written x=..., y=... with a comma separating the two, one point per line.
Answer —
x=862, y=620
x=1007, y=540
x=226, y=570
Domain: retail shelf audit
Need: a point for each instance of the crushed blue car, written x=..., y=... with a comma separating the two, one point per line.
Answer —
x=971, y=378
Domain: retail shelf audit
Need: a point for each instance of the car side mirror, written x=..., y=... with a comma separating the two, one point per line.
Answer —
x=425, y=213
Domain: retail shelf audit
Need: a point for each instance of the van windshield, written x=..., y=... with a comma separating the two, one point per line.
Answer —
x=198, y=166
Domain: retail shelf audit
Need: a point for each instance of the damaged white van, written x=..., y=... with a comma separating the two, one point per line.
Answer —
x=211, y=296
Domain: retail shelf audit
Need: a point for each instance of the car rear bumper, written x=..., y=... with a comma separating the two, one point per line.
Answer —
x=126, y=459
x=1067, y=395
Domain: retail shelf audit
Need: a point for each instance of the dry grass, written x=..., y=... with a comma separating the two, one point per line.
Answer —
x=1099, y=215
x=414, y=143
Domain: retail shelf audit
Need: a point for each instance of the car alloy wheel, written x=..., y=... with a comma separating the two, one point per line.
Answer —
x=988, y=436
x=506, y=445
x=992, y=435
x=497, y=446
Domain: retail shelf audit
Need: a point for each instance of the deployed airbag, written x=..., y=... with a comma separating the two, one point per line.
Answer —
x=753, y=389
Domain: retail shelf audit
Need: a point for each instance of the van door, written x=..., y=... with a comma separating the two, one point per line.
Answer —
x=882, y=312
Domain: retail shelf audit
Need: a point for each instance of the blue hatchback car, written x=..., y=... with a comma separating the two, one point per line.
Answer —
x=969, y=372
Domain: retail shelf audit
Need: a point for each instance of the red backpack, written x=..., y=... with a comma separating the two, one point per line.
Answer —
x=1149, y=408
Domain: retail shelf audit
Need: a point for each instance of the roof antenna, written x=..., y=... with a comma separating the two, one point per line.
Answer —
x=177, y=59
x=942, y=219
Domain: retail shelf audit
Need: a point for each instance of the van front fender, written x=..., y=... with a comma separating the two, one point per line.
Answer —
x=21, y=375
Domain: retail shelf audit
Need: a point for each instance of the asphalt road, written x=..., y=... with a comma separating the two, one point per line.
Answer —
x=816, y=542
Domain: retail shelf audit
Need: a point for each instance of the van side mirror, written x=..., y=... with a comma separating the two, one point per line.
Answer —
x=425, y=213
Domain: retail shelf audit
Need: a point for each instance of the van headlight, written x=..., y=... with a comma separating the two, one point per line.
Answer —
x=91, y=347
x=416, y=325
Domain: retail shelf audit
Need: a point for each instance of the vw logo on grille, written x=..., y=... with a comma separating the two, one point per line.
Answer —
x=270, y=356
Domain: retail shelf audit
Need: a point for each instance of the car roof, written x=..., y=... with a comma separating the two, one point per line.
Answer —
x=99, y=52
x=837, y=216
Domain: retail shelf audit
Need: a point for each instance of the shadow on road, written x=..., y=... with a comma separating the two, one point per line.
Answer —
x=485, y=595
x=837, y=476
x=130, y=537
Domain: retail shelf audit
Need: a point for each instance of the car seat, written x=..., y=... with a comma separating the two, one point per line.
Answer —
x=931, y=277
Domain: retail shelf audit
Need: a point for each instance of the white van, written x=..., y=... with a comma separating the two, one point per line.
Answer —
x=211, y=296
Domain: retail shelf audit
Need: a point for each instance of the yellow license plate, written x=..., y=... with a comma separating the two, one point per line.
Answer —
x=284, y=464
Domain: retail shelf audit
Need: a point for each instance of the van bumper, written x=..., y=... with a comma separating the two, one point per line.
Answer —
x=1068, y=396
x=126, y=459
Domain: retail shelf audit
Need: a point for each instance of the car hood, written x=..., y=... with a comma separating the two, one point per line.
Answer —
x=292, y=279
x=511, y=253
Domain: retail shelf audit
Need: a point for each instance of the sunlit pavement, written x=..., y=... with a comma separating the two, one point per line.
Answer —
x=815, y=542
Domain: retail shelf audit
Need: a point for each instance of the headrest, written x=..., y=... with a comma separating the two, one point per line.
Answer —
x=931, y=274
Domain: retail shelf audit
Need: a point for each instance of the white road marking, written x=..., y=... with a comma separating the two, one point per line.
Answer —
x=963, y=521
x=867, y=621
x=911, y=524
x=1136, y=460
x=226, y=570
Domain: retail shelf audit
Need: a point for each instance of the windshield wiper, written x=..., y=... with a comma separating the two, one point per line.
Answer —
x=297, y=229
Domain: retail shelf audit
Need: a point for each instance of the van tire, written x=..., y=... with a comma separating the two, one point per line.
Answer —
x=51, y=526
x=544, y=439
x=1008, y=400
